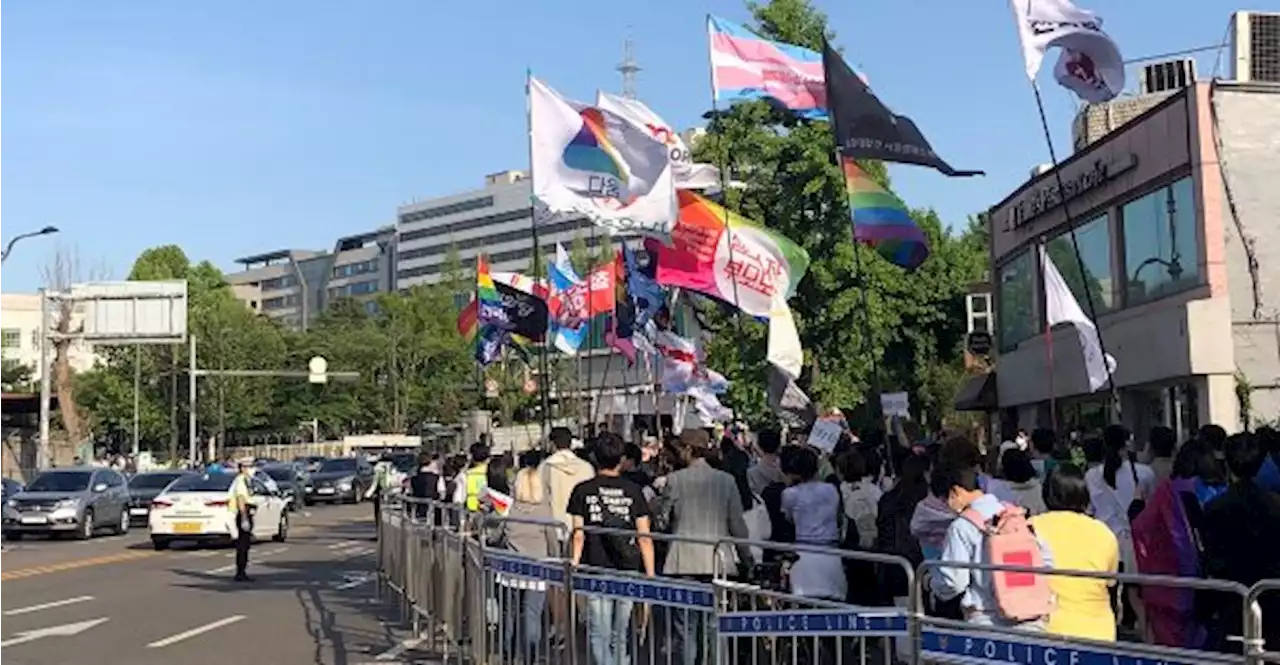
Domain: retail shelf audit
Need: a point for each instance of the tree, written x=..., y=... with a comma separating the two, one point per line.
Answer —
x=905, y=327
x=17, y=377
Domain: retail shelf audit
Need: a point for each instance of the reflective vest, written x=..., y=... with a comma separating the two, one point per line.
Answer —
x=239, y=492
x=476, y=479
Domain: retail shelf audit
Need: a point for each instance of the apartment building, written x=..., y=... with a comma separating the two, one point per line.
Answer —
x=294, y=286
x=20, y=335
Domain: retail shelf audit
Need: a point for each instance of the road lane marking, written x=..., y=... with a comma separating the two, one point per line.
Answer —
x=199, y=630
x=202, y=554
x=353, y=583
x=342, y=545
x=65, y=630
x=73, y=565
x=351, y=554
x=47, y=606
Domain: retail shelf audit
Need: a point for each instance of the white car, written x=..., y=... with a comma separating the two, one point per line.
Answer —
x=196, y=509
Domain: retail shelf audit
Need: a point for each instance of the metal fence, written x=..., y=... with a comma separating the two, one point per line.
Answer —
x=471, y=599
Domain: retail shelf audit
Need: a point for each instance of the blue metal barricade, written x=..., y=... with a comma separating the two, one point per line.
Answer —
x=475, y=601
x=766, y=621
x=942, y=640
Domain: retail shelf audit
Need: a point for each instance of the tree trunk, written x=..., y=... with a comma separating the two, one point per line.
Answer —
x=64, y=381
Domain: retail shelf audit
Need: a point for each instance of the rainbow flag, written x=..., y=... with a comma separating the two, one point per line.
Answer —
x=881, y=220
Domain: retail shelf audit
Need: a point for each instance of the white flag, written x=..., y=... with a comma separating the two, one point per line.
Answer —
x=1061, y=306
x=1089, y=64
x=593, y=163
x=687, y=174
x=784, y=349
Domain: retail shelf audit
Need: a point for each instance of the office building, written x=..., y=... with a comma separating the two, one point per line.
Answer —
x=1174, y=215
x=495, y=220
x=294, y=285
x=20, y=335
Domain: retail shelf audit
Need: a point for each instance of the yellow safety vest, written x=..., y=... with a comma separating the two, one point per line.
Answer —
x=239, y=492
x=477, y=478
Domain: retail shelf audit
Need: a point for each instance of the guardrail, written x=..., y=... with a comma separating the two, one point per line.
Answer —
x=470, y=599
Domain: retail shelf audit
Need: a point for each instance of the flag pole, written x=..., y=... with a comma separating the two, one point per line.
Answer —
x=722, y=159
x=545, y=398
x=1075, y=249
x=875, y=417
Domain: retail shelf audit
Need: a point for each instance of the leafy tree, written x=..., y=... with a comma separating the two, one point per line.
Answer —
x=17, y=377
x=865, y=324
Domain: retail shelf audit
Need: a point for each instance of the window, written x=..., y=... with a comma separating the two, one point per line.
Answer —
x=278, y=283
x=361, y=268
x=1094, y=239
x=280, y=302
x=11, y=338
x=356, y=289
x=489, y=240
x=464, y=225
x=449, y=209
x=1017, y=319
x=1160, y=251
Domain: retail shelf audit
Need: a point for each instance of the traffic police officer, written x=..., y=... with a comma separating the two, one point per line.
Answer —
x=242, y=507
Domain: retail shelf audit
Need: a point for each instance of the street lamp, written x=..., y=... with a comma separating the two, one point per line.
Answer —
x=42, y=232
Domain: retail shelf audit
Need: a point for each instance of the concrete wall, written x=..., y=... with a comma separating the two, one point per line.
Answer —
x=1245, y=184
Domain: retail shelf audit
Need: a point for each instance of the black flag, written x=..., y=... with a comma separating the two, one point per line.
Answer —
x=866, y=129
x=516, y=312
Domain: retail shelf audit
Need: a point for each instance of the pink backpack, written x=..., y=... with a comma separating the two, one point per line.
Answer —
x=1011, y=542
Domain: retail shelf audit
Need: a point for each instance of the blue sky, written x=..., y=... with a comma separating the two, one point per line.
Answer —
x=232, y=128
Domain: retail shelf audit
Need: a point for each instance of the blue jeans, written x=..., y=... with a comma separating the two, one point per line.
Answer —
x=521, y=644
x=608, y=625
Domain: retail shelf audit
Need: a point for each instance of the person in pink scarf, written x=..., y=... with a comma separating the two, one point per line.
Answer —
x=1166, y=542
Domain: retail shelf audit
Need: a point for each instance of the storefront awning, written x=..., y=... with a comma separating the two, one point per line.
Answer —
x=978, y=393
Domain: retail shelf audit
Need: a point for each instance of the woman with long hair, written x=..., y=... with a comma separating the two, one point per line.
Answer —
x=1166, y=541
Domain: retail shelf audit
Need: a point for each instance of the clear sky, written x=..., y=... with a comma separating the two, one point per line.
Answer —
x=236, y=127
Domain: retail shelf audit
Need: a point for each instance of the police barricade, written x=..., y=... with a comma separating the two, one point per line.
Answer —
x=764, y=618
x=939, y=640
x=523, y=596
x=1259, y=649
x=629, y=617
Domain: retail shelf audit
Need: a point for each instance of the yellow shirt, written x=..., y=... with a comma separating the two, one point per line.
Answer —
x=1079, y=542
x=239, y=493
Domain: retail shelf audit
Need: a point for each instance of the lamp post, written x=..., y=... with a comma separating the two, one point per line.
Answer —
x=42, y=232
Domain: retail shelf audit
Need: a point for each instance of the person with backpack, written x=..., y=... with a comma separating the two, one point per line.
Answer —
x=990, y=532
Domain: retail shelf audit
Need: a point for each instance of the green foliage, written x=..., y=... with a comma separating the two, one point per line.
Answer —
x=908, y=327
x=413, y=366
x=16, y=377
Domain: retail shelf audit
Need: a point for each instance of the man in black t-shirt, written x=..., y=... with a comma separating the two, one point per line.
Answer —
x=612, y=502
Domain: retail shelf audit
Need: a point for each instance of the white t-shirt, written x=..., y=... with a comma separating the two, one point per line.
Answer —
x=1111, y=505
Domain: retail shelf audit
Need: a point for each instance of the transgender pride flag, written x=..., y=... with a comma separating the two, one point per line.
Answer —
x=746, y=67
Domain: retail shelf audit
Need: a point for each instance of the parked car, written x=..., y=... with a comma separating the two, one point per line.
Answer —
x=342, y=479
x=146, y=486
x=293, y=484
x=310, y=462
x=11, y=487
x=75, y=500
x=196, y=508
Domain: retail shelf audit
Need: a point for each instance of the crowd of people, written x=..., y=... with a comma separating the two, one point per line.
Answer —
x=1203, y=508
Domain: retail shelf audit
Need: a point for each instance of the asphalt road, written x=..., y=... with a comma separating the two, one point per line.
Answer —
x=114, y=599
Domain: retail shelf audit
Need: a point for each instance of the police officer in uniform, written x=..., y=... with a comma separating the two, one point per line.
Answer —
x=242, y=508
x=475, y=479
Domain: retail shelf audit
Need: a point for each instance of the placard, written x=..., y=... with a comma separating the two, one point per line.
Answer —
x=895, y=404
x=825, y=434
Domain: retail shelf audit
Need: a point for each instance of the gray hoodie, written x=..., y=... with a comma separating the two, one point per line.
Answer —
x=560, y=473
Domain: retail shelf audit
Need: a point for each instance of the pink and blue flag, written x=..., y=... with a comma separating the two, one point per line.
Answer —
x=746, y=67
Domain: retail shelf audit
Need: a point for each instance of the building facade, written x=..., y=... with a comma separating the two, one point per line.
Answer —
x=293, y=286
x=20, y=335
x=1179, y=254
x=495, y=221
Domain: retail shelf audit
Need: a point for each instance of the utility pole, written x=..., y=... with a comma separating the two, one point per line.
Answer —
x=191, y=399
x=137, y=388
x=46, y=383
